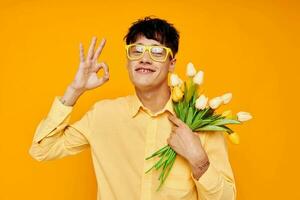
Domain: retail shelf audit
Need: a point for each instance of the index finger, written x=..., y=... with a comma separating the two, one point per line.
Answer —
x=99, y=49
x=175, y=120
x=91, y=49
x=81, y=52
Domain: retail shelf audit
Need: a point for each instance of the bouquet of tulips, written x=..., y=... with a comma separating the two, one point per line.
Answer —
x=199, y=113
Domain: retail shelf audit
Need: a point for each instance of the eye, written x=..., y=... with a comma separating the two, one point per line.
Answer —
x=139, y=48
x=157, y=50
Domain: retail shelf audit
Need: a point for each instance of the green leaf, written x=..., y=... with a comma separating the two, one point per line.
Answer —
x=180, y=109
x=225, y=121
x=202, y=113
x=211, y=128
x=228, y=129
x=195, y=96
x=194, y=115
x=185, y=113
x=185, y=91
x=200, y=123
x=190, y=92
x=189, y=116
x=209, y=112
x=176, y=109
x=198, y=115
x=205, y=122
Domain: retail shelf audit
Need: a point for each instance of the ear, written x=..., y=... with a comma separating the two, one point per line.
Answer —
x=172, y=65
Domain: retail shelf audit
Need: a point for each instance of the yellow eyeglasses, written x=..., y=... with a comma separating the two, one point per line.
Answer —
x=157, y=53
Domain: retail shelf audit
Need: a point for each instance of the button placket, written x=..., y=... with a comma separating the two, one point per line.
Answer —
x=149, y=149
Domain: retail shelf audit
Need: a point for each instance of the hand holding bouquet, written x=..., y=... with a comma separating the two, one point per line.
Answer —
x=198, y=113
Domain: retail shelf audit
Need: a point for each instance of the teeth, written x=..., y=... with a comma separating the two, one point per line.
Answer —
x=144, y=70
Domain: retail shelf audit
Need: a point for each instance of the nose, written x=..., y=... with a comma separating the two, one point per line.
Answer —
x=146, y=58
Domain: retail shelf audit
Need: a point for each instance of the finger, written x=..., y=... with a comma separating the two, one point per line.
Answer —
x=101, y=81
x=173, y=129
x=169, y=141
x=98, y=66
x=99, y=49
x=172, y=134
x=105, y=77
x=81, y=52
x=92, y=47
x=175, y=120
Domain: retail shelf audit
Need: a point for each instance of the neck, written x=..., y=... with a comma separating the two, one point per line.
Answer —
x=155, y=98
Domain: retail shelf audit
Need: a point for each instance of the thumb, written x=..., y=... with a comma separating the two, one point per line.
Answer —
x=97, y=67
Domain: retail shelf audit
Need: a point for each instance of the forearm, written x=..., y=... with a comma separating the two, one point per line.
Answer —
x=54, y=137
x=71, y=96
x=217, y=182
x=48, y=141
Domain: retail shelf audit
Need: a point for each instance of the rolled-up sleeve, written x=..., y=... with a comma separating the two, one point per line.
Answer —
x=217, y=183
x=55, y=138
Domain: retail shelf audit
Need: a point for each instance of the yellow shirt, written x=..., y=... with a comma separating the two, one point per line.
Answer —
x=121, y=133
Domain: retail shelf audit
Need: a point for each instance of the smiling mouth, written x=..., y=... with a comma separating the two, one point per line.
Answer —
x=144, y=70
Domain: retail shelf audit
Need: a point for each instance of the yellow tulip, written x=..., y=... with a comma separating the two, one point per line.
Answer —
x=227, y=113
x=234, y=138
x=182, y=87
x=177, y=94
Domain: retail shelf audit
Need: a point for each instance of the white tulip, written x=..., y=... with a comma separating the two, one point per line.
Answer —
x=190, y=70
x=243, y=116
x=174, y=79
x=226, y=97
x=201, y=102
x=198, y=78
x=214, y=103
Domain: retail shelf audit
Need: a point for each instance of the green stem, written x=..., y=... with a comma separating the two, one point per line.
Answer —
x=165, y=156
x=170, y=167
x=166, y=165
x=168, y=171
x=158, y=152
x=160, y=160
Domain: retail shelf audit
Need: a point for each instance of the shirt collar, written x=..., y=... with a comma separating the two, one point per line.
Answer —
x=135, y=104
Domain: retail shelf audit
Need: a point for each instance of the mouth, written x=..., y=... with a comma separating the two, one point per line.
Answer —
x=144, y=70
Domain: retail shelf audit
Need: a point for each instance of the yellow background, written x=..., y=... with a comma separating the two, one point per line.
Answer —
x=246, y=47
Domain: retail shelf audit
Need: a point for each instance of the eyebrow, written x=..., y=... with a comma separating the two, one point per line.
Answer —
x=150, y=44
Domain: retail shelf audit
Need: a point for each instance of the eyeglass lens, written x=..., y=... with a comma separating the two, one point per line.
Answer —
x=157, y=52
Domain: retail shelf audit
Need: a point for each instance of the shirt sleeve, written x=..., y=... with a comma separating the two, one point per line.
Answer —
x=55, y=138
x=217, y=183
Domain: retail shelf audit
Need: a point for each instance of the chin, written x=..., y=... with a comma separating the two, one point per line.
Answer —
x=143, y=86
x=143, y=82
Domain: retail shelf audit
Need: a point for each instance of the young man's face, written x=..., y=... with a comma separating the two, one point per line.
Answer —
x=149, y=80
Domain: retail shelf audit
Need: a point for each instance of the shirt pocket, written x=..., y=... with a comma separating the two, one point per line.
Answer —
x=179, y=184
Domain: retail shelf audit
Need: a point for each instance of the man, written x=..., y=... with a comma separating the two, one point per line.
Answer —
x=122, y=132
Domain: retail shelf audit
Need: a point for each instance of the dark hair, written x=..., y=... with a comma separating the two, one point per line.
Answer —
x=156, y=29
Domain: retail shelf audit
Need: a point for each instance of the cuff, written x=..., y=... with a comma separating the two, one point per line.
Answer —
x=211, y=180
x=57, y=114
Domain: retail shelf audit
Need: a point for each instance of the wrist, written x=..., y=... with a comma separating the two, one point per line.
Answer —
x=76, y=91
x=199, y=167
x=71, y=95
